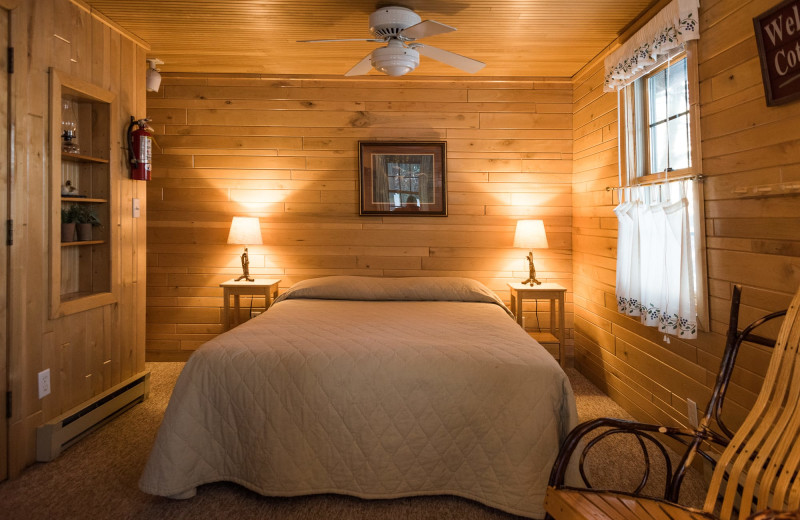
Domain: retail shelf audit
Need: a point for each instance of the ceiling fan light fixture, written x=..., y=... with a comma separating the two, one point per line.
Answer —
x=395, y=60
x=400, y=28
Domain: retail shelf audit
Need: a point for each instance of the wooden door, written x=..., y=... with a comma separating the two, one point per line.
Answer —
x=4, y=211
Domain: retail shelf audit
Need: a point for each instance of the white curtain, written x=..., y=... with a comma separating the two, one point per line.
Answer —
x=655, y=248
x=667, y=30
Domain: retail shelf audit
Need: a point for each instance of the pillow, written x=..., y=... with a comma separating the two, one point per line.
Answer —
x=418, y=288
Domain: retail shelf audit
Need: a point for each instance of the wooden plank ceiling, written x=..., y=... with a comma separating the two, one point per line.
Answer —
x=513, y=37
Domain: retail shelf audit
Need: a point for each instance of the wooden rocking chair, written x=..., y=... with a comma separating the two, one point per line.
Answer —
x=757, y=470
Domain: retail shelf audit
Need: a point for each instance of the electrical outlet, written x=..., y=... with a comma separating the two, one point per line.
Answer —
x=692, y=412
x=253, y=314
x=44, y=383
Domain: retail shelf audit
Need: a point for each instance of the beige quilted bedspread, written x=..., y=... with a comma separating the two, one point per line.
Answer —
x=398, y=396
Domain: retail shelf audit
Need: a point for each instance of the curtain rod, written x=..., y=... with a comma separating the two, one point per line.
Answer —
x=698, y=178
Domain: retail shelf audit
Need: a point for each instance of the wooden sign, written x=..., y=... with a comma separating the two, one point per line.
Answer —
x=778, y=38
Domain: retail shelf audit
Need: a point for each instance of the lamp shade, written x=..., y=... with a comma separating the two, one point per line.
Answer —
x=245, y=230
x=530, y=235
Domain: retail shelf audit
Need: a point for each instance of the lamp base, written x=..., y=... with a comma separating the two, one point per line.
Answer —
x=532, y=272
x=245, y=268
x=531, y=282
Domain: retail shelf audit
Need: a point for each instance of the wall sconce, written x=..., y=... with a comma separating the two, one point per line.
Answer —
x=530, y=235
x=244, y=231
x=153, y=77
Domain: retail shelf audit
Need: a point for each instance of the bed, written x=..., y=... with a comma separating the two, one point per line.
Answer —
x=371, y=387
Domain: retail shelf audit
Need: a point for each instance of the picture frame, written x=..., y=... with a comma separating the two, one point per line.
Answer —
x=402, y=178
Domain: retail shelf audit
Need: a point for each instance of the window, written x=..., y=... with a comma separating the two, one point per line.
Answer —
x=667, y=113
x=658, y=124
x=405, y=181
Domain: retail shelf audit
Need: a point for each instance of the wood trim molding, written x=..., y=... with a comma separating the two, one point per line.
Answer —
x=105, y=20
x=626, y=32
x=639, y=22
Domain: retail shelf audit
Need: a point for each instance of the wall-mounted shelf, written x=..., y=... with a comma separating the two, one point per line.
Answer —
x=66, y=156
x=81, y=276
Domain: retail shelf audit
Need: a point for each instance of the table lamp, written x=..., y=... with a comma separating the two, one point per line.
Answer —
x=530, y=235
x=245, y=230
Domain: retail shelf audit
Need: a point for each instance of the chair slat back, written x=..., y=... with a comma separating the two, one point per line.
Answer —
x=762, y=459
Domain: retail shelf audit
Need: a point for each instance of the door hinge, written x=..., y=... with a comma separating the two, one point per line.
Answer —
x=11, y=60
x=9, y=232
x=8, y=405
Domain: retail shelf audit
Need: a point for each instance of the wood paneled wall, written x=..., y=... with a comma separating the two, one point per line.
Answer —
x=753, y=235
x=285, y=150
x=86, y=352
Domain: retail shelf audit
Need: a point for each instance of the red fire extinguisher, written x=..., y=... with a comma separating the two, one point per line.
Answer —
x=140, y=149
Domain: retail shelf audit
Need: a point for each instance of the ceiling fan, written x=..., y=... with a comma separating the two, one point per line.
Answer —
x=399, y=28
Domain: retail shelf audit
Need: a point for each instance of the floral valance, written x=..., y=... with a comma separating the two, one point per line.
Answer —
x=673, y=25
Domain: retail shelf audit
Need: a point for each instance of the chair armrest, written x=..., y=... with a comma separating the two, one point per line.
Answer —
x=641, y=431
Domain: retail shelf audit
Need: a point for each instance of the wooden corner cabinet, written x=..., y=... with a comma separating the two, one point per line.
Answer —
x=81, y=264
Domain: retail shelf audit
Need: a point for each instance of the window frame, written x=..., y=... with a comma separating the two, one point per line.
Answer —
x=647, y=123
x=634, y=148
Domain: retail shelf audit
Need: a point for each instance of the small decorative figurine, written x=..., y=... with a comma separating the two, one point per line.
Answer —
x=68, y=190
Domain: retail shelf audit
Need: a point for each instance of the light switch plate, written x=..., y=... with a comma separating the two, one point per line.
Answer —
x=692, y=412
x=44, y=383
x=136, y=210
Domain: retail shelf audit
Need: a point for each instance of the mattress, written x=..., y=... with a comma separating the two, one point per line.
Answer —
x=371, y=387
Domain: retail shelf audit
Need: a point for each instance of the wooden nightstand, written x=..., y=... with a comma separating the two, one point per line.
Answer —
x=266, y=288
x=546, y=291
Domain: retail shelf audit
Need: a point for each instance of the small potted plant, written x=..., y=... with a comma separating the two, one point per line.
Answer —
x=68, y=224
x=86, y=218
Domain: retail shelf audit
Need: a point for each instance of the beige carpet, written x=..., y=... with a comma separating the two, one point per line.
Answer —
x=97, y=478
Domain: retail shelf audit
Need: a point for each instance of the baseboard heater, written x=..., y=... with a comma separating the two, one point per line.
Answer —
x=68, y=428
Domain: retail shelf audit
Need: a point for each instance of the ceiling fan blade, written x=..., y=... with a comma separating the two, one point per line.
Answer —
x=425, y=29
x=362, y=67
x=450, y=58
x=342, y=40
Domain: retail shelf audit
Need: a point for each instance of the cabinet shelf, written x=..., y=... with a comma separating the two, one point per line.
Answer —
x=81, y=199
x=74, y=299
x=82, y=243
x=66, y=156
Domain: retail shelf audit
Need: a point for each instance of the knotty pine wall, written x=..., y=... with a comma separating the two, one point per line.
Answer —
x=86, y=352
x=285, y=150
x=753, y=238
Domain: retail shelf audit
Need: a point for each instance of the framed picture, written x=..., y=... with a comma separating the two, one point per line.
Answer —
x=778, y=49
x=404, y=179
